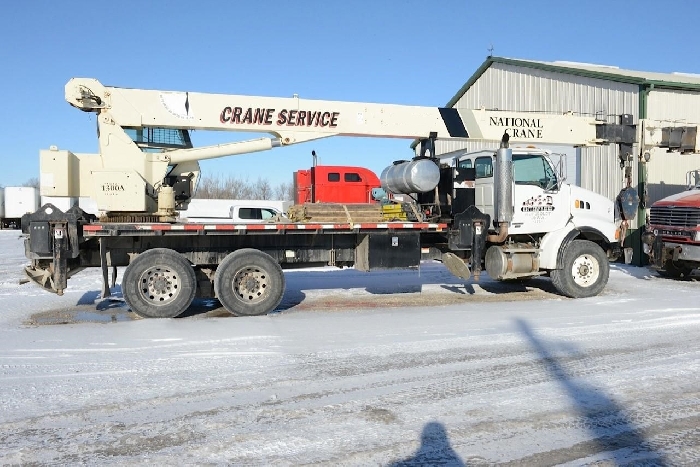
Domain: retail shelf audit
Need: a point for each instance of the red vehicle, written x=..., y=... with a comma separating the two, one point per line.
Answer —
x=335, y=184
x=672, y=237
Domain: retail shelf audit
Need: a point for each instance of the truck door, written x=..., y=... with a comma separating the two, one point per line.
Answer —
x=539, y=205
x=484, y=184
x=354, y=188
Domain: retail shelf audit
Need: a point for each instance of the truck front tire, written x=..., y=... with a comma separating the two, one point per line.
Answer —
x=249, y=282
x=584, y=270
x=159, y=283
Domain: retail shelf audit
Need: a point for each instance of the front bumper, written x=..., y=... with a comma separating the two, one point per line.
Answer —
x=660, y=251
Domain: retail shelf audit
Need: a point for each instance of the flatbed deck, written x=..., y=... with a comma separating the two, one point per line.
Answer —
x=112, y=229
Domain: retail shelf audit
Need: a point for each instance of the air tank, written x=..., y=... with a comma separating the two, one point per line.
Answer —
x=417, y=176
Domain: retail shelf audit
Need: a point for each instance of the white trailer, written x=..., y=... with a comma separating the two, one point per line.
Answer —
x=19, y=200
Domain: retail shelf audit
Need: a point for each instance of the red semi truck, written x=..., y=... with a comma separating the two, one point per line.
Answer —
x=335, y=184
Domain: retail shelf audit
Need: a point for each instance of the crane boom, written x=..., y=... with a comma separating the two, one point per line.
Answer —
x=294, y=120
x=146, y=155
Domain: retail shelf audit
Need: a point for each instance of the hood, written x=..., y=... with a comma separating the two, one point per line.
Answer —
x=689, y=199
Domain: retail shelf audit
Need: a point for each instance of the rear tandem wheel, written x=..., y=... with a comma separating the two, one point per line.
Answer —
x=159, y=283
x=249, y=282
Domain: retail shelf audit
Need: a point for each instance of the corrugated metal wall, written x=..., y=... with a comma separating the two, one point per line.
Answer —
x=508, y=87
x=666, y=171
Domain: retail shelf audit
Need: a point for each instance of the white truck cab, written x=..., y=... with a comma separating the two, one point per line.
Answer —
x=542, y=201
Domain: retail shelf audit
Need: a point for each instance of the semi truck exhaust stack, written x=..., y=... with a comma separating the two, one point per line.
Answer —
x=503, y=186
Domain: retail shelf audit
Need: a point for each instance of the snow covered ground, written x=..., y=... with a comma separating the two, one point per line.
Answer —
x=349, y=373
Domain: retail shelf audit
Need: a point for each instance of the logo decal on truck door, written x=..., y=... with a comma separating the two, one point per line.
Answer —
x=539, y=203
x=538, y=208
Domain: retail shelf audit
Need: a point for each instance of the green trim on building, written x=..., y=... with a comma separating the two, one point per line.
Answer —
x=635, y=236
x=570, y=70
x=470, y=82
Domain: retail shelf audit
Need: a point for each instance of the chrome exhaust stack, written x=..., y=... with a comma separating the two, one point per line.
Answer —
x=503, y=186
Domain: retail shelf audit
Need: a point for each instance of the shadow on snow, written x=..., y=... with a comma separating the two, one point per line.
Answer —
x=434, y=449
x=612, y=430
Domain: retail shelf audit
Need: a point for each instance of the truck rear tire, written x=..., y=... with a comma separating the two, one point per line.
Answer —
x=585, y=270
x=249, y=282
x=159, y=283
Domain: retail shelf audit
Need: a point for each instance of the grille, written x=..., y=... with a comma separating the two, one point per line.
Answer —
x=676, y=217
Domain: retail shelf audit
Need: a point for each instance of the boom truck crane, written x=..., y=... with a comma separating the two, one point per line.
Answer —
x=518, y=218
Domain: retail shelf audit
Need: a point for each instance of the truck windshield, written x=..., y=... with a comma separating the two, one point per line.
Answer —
x=533, y=169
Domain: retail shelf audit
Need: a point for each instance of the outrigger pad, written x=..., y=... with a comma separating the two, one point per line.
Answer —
x=41, y=277
x=456, y=266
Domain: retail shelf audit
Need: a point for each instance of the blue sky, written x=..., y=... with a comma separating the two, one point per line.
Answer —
x=393, y=51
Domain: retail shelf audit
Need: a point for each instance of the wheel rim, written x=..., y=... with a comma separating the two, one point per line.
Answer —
x=585, y=270
x=159, y=286
x=250, y=284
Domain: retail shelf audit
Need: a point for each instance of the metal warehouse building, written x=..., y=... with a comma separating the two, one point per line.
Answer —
x=596, y=90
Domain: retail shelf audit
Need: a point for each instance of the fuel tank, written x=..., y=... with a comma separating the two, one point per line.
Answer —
x=417, y=176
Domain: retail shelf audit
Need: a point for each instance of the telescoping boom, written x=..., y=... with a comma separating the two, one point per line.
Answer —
x=146, y=162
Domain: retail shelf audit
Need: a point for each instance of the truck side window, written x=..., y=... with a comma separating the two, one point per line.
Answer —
x=333, y=177
x=465, y=164
x=352, y=177
x=484, y=167
x=249, y=213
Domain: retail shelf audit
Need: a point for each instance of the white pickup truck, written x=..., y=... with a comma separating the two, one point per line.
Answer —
x=234, y=211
